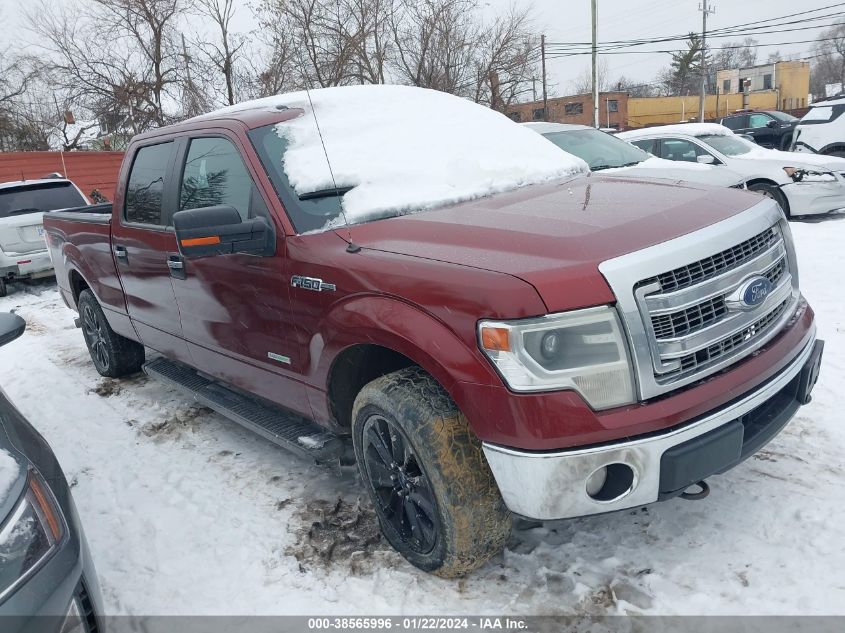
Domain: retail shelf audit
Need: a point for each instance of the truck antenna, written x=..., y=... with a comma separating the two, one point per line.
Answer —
x=351, y=247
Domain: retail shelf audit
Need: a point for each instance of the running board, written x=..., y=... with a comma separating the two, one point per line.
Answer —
x=280, y=426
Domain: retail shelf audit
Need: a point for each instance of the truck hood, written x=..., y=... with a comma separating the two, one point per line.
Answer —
x=554, y=236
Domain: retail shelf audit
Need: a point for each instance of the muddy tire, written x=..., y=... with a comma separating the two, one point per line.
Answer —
x=434, y=494
x=113, y=355
x=772, y=191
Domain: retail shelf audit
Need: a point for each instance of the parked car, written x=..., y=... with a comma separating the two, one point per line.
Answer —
x=47, y=580
x=768, y=128
x=613, y=156
x=802, y=184
x=23, y=253
x=822, y=129
x=496, y=329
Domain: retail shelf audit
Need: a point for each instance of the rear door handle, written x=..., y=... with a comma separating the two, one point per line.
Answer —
x=120, y=251
x=177, y=266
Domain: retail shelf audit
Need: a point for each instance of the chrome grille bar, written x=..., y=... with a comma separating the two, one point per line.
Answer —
x=680, y=300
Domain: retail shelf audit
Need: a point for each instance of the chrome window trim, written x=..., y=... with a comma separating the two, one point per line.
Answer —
x=624, y=273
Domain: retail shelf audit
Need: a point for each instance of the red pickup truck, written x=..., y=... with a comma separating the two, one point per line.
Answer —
x=565, y=348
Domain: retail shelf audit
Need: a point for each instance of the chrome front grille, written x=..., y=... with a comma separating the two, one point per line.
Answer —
x=682, y=300
x=709, y=267
x=696, y=313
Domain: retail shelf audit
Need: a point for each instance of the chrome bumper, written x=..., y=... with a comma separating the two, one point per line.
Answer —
x=549, y=486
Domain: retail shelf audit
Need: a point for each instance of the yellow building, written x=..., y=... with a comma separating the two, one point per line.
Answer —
x=778, y=86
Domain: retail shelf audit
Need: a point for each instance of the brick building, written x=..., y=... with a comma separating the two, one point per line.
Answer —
x=613, y=110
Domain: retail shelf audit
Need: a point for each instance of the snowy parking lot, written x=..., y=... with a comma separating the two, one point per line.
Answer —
x=186, y=512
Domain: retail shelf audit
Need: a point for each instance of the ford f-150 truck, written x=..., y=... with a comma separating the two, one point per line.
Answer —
x=554, y=348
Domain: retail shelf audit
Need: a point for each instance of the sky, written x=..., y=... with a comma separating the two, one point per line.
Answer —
x=569, y=21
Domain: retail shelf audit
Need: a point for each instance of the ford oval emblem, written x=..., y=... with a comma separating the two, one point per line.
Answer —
x=755, y=291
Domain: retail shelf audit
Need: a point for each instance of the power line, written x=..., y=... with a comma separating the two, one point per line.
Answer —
x=610, y=46
x=684, y=50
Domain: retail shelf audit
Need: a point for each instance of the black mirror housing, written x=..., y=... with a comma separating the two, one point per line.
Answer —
x=772, y=123
x=11, y=327
x=219, y=230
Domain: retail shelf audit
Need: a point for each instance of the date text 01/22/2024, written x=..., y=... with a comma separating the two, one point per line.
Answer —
x=485, y=623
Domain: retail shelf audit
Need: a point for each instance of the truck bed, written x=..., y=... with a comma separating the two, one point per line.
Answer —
x=80, y=246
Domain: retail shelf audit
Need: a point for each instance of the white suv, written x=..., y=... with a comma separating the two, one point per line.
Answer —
x=822, y=130
x=23, y=251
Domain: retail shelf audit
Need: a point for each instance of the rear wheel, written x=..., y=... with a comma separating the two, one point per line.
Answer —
x=773, y=192
x=434, y=494
x=3, y=289
x=113, y=355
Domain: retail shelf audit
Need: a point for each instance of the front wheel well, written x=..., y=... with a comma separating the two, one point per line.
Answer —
x=355, y=367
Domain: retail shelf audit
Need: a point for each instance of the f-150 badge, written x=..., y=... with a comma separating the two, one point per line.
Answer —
x=310, y=283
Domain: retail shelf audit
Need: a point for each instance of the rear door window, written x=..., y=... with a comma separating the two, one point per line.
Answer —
x=38, y=198
x=681, y=150
x=215, y=175
x=145, y=191
x=648, y=145
x=735, y=122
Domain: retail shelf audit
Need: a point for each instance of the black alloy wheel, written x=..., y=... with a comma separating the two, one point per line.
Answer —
x=405, y=497
x=93, y=329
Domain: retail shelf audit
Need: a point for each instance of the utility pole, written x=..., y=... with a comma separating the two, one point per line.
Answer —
x=543, y=56
x=596, y=123
x=705, y=11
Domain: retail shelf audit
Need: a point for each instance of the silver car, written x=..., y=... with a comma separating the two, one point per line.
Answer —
x=47, y=580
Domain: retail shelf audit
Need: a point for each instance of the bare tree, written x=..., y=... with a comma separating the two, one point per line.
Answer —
x=224, y=53
x=828, y=65
x=583, y=84
x=117, y=57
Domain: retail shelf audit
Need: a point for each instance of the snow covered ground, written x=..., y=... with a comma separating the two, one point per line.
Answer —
x=186, y=513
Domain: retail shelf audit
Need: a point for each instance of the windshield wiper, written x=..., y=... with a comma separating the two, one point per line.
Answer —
x=600, y=167
x=24, y=210
x=334, y=192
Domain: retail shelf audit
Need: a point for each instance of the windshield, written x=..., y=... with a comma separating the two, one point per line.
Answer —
x=599, y=149
x=782, y=116
x=396, y=150
x=728, y=145
x=37, y=198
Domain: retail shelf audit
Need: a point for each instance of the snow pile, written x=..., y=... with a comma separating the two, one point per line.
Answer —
x=690, y=129
x=405, y=148
x=8, y=472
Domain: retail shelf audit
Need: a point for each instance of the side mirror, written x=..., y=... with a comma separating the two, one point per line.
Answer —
x=11, y=327
x=705, y=159
x=772, y=124
x=220, y=231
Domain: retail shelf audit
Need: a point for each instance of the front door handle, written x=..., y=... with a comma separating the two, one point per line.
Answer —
x=120, y=252
x=177, y=266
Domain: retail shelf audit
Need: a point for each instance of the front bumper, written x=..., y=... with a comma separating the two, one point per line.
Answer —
x=26, y=265
x=815, y=198
x=554, y=485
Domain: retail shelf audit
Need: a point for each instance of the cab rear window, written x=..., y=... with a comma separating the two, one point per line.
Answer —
x=38, y=198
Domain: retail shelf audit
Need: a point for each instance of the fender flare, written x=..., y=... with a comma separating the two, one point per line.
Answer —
x=403, y=328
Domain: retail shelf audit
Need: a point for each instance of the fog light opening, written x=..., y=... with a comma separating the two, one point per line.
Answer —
x=610, y=482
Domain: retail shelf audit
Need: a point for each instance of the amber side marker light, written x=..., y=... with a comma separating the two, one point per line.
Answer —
x=47, y=510
x=495, y=339
x=201, y=241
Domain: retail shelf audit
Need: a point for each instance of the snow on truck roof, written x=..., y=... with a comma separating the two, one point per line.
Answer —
x=689, y=129
x=404, y=149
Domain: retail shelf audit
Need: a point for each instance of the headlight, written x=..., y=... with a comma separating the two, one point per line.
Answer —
x=31, y=533
x=583, y=350
x=809, y=175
